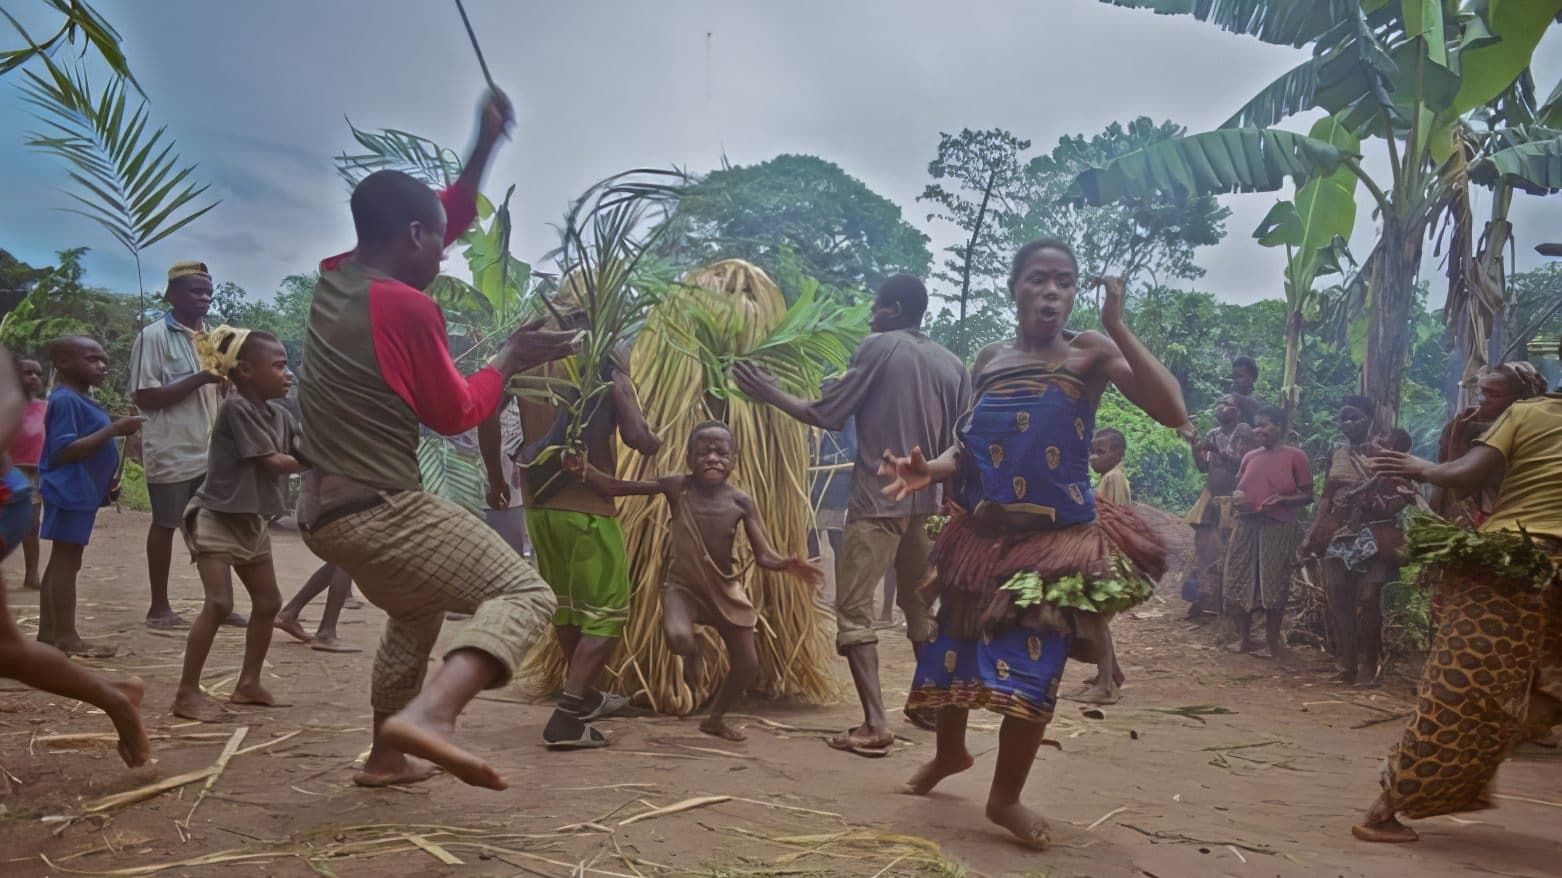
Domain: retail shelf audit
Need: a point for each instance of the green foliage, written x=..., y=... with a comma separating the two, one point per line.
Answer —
x=1157, y=461
x=1499, y=555
x=132, y=489
x=795, y=216
x=1120, y=591
x=1227, y=160
x=61, y=304
x=984, y=177
x=1533, y=162
x=451, y=472
x=129, y=181
x=1156, y=236
x=80, y=20
x=815, y=338
x=1532, y=308
x=394, y=150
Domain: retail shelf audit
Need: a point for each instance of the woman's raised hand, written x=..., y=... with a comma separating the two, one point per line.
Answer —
x=908, y=474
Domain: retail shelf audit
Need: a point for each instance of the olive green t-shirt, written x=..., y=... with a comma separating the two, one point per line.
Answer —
x=235, y=482
x=1529, y=436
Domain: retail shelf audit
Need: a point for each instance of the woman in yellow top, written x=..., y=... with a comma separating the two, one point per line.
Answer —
x=1498, y=647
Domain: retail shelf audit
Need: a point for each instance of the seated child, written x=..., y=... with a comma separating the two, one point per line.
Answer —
x=226, y=525
x=78, y=472
x=39, y=665
x=1107, y=448
x=701, y=586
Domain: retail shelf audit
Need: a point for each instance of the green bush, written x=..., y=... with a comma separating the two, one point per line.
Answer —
x=1159, y=465
x=132, y=489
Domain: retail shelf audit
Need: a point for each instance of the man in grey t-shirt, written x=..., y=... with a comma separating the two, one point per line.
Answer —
x=904, y=391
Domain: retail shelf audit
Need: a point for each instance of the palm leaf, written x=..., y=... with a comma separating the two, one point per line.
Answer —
x=391, y=149
x=131, y=183
x=1531, y=160
x=80, y=19
x=1228, y=160
x=451, y=473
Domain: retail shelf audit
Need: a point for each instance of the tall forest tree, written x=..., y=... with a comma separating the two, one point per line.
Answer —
x=795, y=216
x=977, y=181
x=1407, y=75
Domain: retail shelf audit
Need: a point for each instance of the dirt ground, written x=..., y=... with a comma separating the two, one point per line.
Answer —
x=1266, y=785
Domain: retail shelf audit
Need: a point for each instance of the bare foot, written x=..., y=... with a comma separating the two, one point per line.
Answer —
x=412, y=771
x=30, y=583
x=330, y=643
x=1344, y=678
x=199, y=706
x=290, y=625
x=934, y=771
x=168, y=621
x=722, y=729
x=1389, y=831
x=134, y=747
x=79, y=647
x=427, y=739
x=1240, y=648
x=1099, y=693
x=254, y=695
x=236, y=619
x=1025, y=825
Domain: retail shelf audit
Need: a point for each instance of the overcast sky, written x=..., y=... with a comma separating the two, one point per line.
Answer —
x=258, y=93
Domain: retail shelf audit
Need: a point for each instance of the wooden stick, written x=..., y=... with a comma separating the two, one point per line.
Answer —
x=472, y=35
x=228, y=750
x=685, y=805
x=435, y=851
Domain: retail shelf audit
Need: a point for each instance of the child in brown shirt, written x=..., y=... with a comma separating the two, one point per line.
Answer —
x=226, y=524
x=701, y=586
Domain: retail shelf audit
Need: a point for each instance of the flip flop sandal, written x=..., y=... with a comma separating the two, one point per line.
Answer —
x=610, y=705
x=590, y=739
x=850, y=743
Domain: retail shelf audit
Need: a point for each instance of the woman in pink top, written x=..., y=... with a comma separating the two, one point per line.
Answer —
x=1273, y=483
x=25, y=449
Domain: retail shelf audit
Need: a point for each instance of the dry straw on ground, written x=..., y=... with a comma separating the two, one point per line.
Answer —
x=793, y=635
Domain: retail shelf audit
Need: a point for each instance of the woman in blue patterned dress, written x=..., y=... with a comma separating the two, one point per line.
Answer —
x=1023, y=504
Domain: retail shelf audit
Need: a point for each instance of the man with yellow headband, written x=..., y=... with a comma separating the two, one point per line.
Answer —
x=180, y=401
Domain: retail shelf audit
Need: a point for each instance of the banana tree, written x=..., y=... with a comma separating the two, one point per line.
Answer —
x=1404, y=73
x=1313, y=229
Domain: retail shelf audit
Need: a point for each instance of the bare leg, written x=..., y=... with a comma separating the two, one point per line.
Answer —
x=190, y=701
x=30, y=554
x=426, y=727
x=1244, y=622
x=288, y=616
x=951, y=755
x=1103, y=689
x=1018, y=741
x=1380, y=825
x=678, y=628
x=260, y=580
x=44, y=667
x=745, y=667
x=57, y=603
x=159, y=557
x=1273, y=619
x=1340, y=586
x=863, y=659
x=1369, y=615
x=325, y=638
x=568, y=637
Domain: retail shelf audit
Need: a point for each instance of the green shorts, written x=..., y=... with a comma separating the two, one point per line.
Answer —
x=582, y=558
